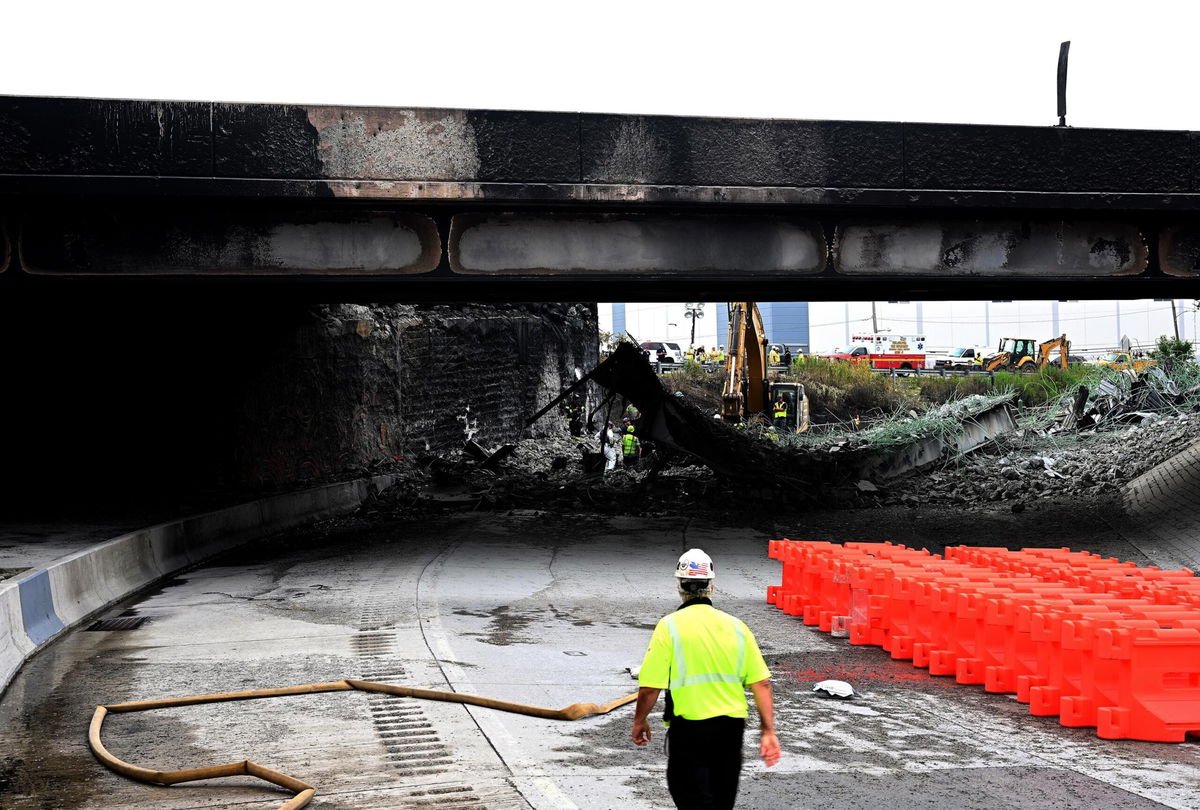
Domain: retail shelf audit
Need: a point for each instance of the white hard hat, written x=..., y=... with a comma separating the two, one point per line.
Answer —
x=695, y=564
x=838, y=689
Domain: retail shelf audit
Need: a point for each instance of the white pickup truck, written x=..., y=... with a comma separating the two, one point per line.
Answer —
x=960, y=359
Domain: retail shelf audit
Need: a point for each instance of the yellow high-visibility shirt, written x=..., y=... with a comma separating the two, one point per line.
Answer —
x=706, y=658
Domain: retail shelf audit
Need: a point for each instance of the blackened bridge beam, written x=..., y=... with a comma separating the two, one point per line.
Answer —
x=419, y=204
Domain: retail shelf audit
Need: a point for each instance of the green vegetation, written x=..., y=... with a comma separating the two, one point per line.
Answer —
x=938, y=390
x=1049, y=384
x=841, y=394
x=842, y=391
x=1171, y=352
x=845, y=390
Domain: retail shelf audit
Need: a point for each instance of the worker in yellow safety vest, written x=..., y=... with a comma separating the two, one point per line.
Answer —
x=631, y=448
x=721, y=354
x=714, y=355
x=773, y=357
x=706, y=659
x=779, y=414
x=689, y=354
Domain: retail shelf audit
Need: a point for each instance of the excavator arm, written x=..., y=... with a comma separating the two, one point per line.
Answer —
x=1061, y=344
x=745, y=388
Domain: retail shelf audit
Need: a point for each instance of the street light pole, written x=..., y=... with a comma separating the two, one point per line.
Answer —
x=693, y=311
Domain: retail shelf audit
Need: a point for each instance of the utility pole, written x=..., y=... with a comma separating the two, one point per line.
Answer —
x=693, y=311
x=1195, y=337
x=1175, y=320
x=874, y=322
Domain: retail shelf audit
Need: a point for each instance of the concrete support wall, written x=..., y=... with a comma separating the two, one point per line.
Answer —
x=129, y=402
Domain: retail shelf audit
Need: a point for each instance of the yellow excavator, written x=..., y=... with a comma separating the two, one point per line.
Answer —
x=746, y=390
x=1026, y=354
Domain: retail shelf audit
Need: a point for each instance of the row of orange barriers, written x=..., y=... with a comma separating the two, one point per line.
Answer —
x=1093, y=640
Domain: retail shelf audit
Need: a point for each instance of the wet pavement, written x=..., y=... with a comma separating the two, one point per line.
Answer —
x=547, y=610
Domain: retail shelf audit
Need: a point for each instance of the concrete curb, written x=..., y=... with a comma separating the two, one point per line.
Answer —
x=40, y=606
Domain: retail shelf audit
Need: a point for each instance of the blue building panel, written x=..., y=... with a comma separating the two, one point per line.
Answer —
x=786, y=322
x=618, y=313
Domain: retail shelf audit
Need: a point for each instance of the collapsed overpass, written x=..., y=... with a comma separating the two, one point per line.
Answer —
x=176, y=278
x=336, y=203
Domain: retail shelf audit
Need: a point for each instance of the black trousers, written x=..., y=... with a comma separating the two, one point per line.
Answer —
x=704, y=762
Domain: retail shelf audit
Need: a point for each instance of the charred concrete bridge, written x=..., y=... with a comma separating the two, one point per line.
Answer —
x=176, y=277
x=121, y=197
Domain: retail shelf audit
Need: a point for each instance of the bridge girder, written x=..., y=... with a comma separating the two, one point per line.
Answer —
x=425, y=205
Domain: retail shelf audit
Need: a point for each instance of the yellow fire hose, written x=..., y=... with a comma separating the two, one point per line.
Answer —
x=304, y=791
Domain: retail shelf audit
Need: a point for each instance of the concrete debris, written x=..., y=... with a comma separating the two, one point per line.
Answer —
x=1045, y=465
x=1127, y=399
x=975, y=453
x=488, y=460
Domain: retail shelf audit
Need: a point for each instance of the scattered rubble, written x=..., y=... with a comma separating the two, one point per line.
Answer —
x=1125, y=398
x=1033, y=465
x=969, y=453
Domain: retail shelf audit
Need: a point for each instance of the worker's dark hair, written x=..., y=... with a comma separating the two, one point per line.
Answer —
x=693, y=585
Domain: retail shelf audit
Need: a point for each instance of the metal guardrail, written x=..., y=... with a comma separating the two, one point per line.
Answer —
x=937, y=372
x=668, y=368
x=711, y=368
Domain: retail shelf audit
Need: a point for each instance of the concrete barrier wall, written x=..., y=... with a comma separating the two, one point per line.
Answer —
x=43, y=604
x=15, y=645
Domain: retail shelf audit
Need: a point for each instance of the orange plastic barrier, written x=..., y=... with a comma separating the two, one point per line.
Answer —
x=1093, y=640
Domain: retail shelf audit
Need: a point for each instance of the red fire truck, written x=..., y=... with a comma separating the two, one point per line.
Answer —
x=884, y=351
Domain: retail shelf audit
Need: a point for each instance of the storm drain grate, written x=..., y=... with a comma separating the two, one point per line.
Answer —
x=119, y=623
x=446, y=798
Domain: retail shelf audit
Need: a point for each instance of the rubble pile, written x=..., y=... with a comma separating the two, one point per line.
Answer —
x=1123, y=399
x=943, y=421
x=1033, y=465
x=976, y=452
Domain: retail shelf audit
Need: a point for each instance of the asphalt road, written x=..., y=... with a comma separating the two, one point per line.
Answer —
x=533, y=608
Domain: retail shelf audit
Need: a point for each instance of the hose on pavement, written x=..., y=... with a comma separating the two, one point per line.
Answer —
x=304, y=791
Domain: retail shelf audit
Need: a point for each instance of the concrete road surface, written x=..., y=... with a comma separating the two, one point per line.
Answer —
x=525, y=607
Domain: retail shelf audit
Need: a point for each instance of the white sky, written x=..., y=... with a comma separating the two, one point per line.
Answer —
x=1133, y=64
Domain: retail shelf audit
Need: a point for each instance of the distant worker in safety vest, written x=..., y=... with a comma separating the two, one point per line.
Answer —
x=720, y=354
x=779, y=414
x=689, y=354
x=773, y=357
x=706, y=659
x=631, y=448
x=714, y=355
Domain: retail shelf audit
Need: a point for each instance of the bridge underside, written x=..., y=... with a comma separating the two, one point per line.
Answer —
x=323, y=203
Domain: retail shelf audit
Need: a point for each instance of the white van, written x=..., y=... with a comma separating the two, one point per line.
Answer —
x=674, y=352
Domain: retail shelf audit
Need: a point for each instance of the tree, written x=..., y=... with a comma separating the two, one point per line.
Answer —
x=1171, y=352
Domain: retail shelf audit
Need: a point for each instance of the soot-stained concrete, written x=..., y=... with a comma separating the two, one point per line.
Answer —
x=160, y=404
